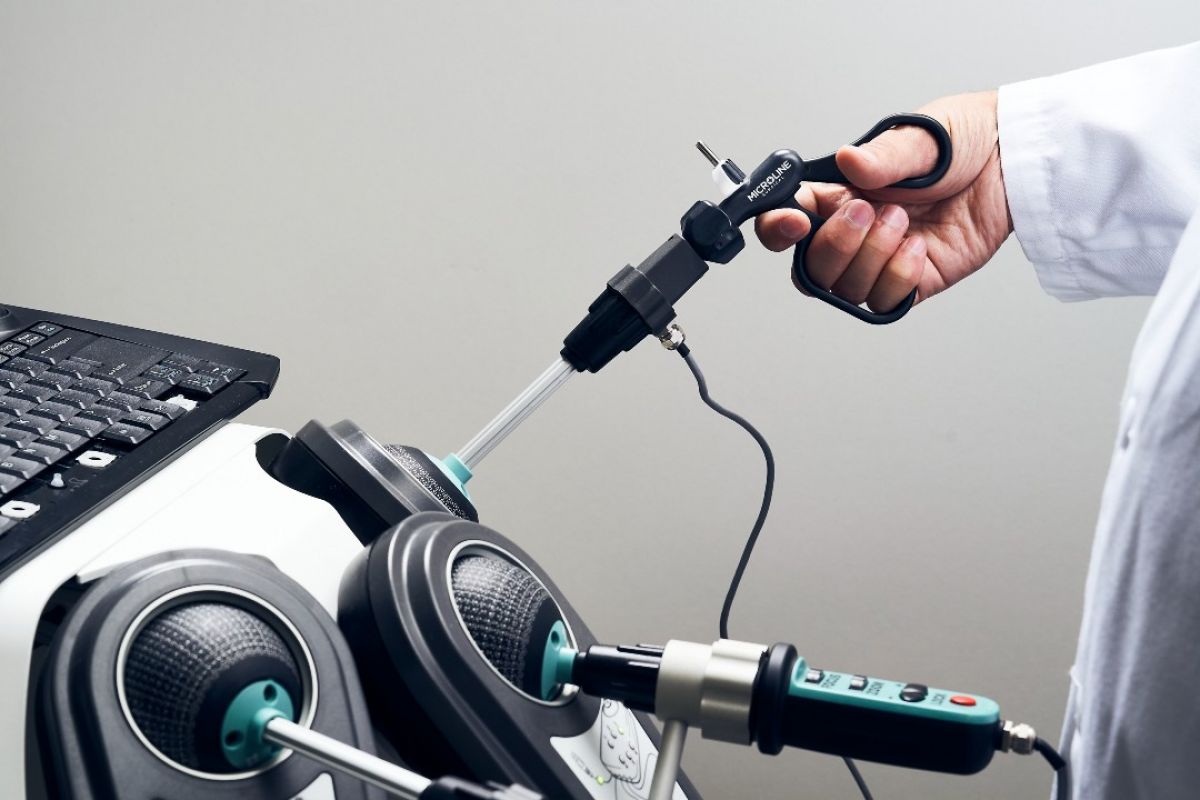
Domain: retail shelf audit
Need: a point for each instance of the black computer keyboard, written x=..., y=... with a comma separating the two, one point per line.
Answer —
x=90, y=409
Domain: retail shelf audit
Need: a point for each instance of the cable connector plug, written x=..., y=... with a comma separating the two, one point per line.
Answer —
x=1017, y=737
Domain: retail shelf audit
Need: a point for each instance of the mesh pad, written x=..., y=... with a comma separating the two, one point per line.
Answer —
x=185, y=666
x=508, y=614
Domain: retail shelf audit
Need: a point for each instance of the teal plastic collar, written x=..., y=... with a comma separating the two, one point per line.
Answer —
x=558, y=661
x=454, y=469
x=246, y=719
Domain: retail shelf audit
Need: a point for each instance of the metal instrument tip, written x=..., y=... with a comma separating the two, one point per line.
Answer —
x=707, y=153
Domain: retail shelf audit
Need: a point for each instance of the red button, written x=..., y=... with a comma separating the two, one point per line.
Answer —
x=962, y=700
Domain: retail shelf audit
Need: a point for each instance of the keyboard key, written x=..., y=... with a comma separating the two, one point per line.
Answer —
x=166, y=373
x=58, y=412
x=168, y=410
x=46, y=328
x=29, y=339
x=120, y=360
x=101, y=414
x=5, y=522
x=26, y=367
x=144, y=419
x=38, y=426
x=96, y=386
x=11, y=380
x=15, y=438
x=13, y=407
x=230, y=374
x=203, y=384
x=22, y=468
x=6, y=451
x=9, y=483
x=51, y=380
x=42, y=454
x=73, y=397
x=73, y=369
x=185, y=362
x=122, y=401
x=59, y=348
x=90, y=428
x=63, y=440
x=11, y=349
x=3, y=359
x=146, y=388
x=126, y=434
x=33, y=393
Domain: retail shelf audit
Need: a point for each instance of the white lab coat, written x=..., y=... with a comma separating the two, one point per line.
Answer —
x=1102, y=169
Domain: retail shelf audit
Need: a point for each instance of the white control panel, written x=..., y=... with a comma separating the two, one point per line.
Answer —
x=614, y=758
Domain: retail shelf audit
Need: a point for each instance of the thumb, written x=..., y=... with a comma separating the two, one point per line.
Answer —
x=903, y=152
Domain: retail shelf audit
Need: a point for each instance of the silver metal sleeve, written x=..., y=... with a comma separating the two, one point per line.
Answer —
x=344, y=758
x=670, y=754
x=709, y=687
x=515, y=413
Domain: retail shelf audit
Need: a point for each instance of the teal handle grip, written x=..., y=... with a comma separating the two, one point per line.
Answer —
x=889, y=722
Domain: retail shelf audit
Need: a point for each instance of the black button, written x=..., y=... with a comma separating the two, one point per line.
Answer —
x=14, y=408
x=41, y=453
x=20, y=467
x=145, y=388
x=29, y=339
x=914, y=692
x=203, y=383
x=166, y=373
x=122, y=401
x=46, y=328
x=59, y=348
x=107, y=416
x=10, y=379
x=126, y=434
x=144, y=419
x=185, y=362
x=168, y=410
x=75, y=398
x=26, y=367
x=39, y=426
x=84, y=427
x=63, y=440
x=33, y=393
x=7, y=484
x=14, y=438
x=858, y=683
x=59, y=412
x=73, y=369
x=11, y=349
x=96, y=386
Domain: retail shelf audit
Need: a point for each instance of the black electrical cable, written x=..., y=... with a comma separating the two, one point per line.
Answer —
x=764, y=509
x=1061, y=768
x=768, y=488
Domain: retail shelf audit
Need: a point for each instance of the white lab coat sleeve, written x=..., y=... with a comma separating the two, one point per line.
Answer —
x=1102, y=170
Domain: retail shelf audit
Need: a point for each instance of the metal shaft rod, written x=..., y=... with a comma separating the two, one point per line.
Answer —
x=344, y=758
x=515, y=413
x=670, y=754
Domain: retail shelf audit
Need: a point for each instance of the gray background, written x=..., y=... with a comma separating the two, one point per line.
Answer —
x=412, y=203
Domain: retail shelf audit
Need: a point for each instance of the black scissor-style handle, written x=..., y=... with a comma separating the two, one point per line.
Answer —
x=825, y=170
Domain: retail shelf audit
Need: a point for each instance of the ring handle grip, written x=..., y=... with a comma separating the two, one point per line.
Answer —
x=825, y=170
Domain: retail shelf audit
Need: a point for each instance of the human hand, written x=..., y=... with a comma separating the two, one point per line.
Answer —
x=879, y=243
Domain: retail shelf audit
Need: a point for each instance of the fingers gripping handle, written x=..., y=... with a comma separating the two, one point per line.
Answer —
x=825, y=170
